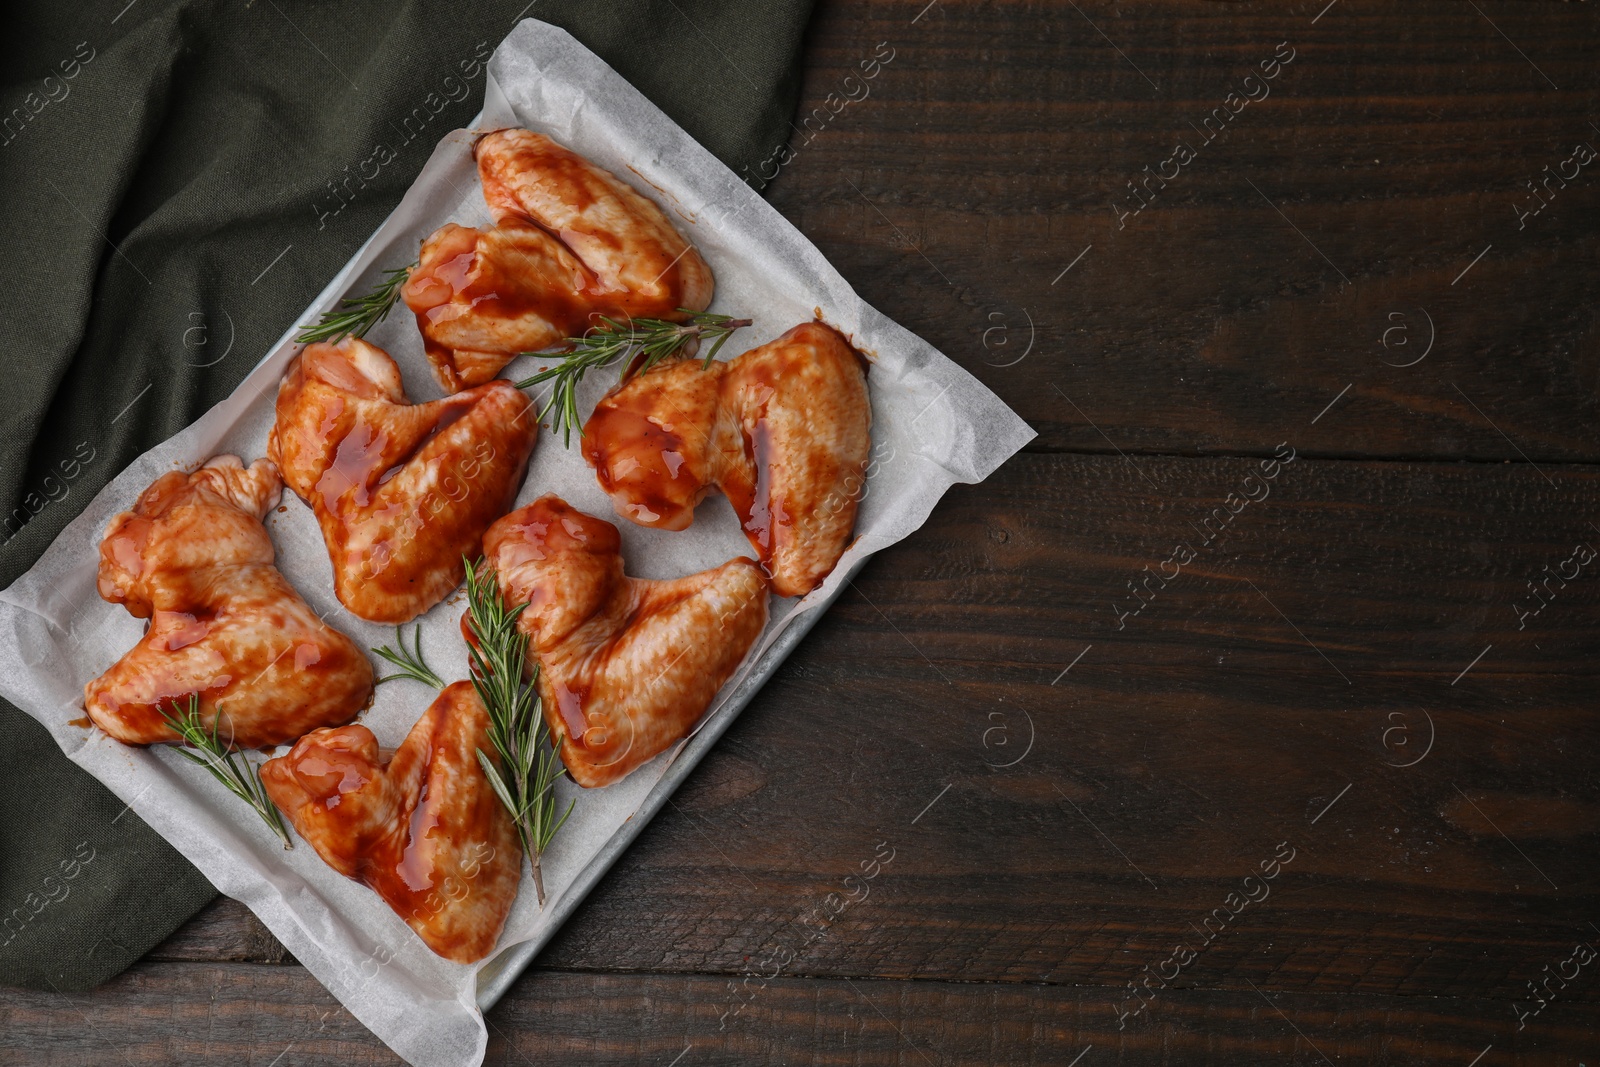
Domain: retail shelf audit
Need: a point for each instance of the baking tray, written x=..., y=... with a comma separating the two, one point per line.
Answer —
x=502, y=971
x=934, y=425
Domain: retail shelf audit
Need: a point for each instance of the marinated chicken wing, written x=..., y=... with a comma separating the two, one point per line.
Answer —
x=401, y=490
x=783, y=430
x=194, y=559
x=627, y=665
x=424, y=829
x=570, y=242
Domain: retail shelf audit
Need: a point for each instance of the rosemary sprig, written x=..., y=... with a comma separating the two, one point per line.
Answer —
x=525, y=777
x=409, y=660
x=645, y=341
x=241, y=778
x=355, y=315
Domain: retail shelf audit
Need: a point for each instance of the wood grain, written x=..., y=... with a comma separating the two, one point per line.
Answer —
x=225, y=930
x=1390, y=152
x=1175, y=754
x=239, y=1014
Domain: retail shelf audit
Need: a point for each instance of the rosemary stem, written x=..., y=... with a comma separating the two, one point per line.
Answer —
x=638, y=344
x=529, y=833
x=355, y=315
x=206, y=749
x=524, y=768
x=538, y=878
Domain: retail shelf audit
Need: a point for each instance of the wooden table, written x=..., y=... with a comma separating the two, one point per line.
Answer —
x=1160, y=747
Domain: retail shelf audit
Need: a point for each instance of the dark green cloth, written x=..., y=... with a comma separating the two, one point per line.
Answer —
x=169, y=208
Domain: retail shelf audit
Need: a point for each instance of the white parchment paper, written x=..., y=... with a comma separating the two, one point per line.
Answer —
x=932, y=425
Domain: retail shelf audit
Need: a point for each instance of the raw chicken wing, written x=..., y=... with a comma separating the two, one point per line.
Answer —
x=401, y=490
x=627, y=665
x=424, y=830
x=783, y=430
x=569, y=242
x=194, y=559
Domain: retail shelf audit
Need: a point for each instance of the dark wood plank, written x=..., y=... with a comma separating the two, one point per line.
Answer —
x=1175, y=755
x=224, y=930
x=987, y=153
x=201, y=1013
x=243, y=1014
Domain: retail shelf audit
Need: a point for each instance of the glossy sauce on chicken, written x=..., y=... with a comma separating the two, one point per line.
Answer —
x=400, y=490
x=424, y=829
x=570, y=242
x=627, y=665
x=658, y=449
x=194, y=558
x=783, y=430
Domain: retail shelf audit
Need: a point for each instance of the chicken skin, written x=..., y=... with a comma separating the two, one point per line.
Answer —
x=194, y=559
x=570, y=242
x=626, y=666
x=424, y=829
x=783, y=430
x=401, y=490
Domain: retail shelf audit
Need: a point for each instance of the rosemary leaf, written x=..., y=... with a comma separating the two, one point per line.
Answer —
x=525, y=773
x=641, y=342
x=235, y=771
x=491, y=771
x=409, y=660
x=355, y=315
